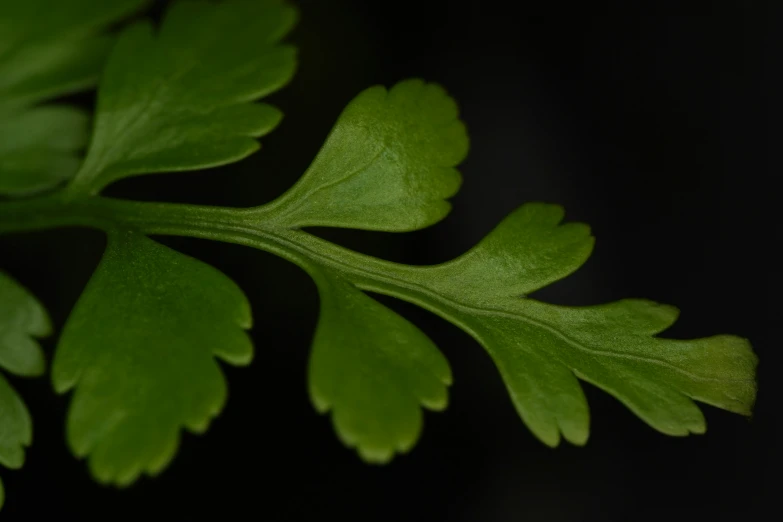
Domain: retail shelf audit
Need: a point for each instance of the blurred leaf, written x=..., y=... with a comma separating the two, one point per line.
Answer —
x=15, y=430
x=48, y=49
x=21, y=319
x=38, y=148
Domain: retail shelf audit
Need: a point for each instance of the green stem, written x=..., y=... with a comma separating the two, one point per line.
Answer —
x=249, y=227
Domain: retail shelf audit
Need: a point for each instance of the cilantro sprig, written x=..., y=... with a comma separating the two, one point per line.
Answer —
x=140, y=351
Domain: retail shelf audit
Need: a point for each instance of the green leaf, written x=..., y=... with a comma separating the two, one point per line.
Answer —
x=373, y=369
x=21, y=319
x=139, y=350
x=541, y=349
x=15, y=430
x=48, y=49
x=187, y=104
x=388, y=164
x=529, y=250
x=38, y=148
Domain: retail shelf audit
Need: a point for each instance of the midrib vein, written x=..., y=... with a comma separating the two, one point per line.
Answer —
x=417, y=293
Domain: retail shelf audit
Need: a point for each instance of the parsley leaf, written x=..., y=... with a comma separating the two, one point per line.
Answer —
x=144, y=367
x=371, y=174
x=388, y=164
x=21, y=318
x=187, y=104
x=373, y=369
x=47, y=50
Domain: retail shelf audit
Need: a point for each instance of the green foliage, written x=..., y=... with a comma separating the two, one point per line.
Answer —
x=22, y=318
x=388, y=164
x=540, y=349
x=48, y=49
x=38, y=148
x=144, y=366
x=139, y=350
x=373, y=368
x=186, y=105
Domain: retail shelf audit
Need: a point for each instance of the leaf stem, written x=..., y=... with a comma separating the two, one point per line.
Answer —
x=254, y=227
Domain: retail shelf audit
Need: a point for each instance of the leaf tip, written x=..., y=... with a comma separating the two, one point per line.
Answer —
x=577, y=436
x=319, y=401
x=377, y=456
x=439, y=403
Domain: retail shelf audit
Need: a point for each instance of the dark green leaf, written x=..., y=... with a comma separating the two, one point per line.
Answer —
x=388, y=164
x=139, y=350
x=373, y=369
x=187, y=104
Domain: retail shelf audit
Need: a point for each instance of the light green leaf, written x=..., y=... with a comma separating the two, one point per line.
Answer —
x=139, y=350
x=388, y=164
x=48, y=49
x=21, y=319
x=38, y=148
x=373, y=369
x=541, y=349
x=187, y=104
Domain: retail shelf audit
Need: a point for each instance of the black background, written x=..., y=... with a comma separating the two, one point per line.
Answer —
x=653, y=129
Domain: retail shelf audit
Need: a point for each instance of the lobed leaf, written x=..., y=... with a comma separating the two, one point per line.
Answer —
x=22, y=318
x=16, y=430
x=139, y=352
x=388, y=164
x=527, y=251
x=373, y=369
x=188, y=103
x=541, y=349
x=144, y=368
